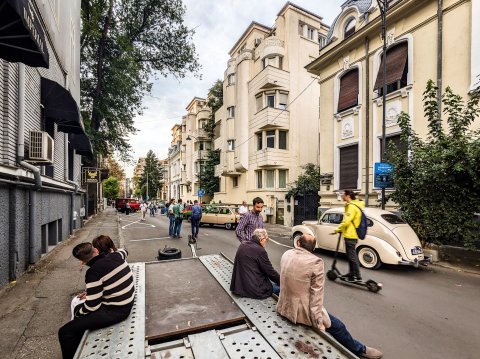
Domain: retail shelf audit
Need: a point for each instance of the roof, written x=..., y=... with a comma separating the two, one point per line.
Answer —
x=362, y=7
x=248, y=29
x=299, y=8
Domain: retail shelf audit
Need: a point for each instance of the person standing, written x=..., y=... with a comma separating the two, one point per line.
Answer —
x=348, y=228
x=250, y=221
x=243, y=209
x=143, y=209
x=127, y=207
x=178, y=213
x=171, y=218
x=302, y=286
x=195, y=219
x=152, y=209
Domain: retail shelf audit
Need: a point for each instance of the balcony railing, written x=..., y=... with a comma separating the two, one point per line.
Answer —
x=270, y=117
x=271, y=46
x=270, y=76
x=271, y=157
x=200, y=133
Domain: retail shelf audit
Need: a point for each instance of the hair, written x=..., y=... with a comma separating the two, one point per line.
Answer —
x=259, y=234
x=257, y=200
x=104, y=244
x=179, y=200
x=350, y=193
x=307, y=243
x=83, y=251
x=195, y=202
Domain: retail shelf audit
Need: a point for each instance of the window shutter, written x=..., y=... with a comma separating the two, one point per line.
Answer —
x=348, y=167
x=396, y=62
x=348, y=96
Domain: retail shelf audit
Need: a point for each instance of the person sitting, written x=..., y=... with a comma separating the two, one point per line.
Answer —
x=109, y=297
x=253, y=273
x=104, y=244
x=302, y=284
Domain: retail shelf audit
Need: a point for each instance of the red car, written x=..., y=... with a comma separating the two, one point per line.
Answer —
x=120, y=204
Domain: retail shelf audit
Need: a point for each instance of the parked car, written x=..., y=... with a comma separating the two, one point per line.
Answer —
x=389, y=239
x=220, y=215
x=120, y=204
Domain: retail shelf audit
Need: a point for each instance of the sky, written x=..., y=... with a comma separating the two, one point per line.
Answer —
x=218, y=25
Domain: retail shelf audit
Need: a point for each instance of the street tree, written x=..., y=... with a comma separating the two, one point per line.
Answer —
x=306, y=183
x=123, y=43
x=437, y=186
x=111, y=188
x=151, y=179
x=114, y=168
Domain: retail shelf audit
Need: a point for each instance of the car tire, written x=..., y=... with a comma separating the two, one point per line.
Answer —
x=229, y=226
x=169, y=253
x=296, y=236
x=211, y=224
x=368, y=257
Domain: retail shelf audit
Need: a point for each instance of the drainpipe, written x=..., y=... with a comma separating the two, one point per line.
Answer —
x=367, y=120
x=66, y=170
x=439, y=56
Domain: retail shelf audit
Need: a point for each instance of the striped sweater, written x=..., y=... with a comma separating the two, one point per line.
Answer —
x=109, y=282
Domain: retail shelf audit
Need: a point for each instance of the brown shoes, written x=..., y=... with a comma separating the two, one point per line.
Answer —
x=371, y=353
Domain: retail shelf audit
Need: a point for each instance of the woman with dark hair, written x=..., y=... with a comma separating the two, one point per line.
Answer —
x=104, y=244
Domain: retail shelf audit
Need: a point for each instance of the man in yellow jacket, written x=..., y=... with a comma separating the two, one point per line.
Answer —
x=348, y=228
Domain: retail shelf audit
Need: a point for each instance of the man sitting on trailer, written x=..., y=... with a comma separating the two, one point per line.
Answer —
x=109, y=298
x=253, y=275
x=302, y=283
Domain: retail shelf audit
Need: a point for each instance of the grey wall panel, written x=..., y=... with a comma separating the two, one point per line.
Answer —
x=59, y=156
x=21, y=214
x=4, y=232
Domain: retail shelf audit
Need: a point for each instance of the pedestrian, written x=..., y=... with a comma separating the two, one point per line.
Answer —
x=195, y=219
x=250, y=221
x=109, y=297
x=302, y=286
x=152, y=209
x=143, y=209
x=171, y=218
x=243, y=209
x=127, y=207
x=104, y=244
x=253, y=275
x=348, y=228
x=178, y=213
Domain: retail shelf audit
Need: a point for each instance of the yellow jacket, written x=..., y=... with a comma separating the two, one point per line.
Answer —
x=351, y=219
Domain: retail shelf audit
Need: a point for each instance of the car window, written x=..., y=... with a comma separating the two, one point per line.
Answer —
x=213, y=210
x=369, y=222
x=332, y=218
x=224, y=211
x=392, y=218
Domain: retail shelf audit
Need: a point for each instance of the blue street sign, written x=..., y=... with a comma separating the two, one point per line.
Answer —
x=201, y=192
x=383, y=175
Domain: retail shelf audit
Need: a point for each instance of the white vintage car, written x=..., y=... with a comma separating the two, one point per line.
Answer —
x=389, y=239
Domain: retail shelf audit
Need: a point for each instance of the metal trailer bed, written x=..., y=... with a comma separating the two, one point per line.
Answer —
x=184, y=310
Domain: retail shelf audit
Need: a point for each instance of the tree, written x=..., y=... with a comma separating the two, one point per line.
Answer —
x=124, y=42
x=210, y=183
x=115, y=170
x=308, y=182
x=111, y=188
x=438, y=185
x=151, y=173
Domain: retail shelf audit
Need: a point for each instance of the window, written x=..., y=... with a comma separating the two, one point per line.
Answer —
x=332, y=218
x=310, y=33
x=397, y=69
x=275, y=61
x=201, y=146
x=259, y=141
x=271, y=100
x=231, y=79
x=348, y=95
x=283, y=101
x=270, y=135
x=322, y=40
x=397, y=141
x=231, y=111
x=392, y=218
x=282, y=140
x=259, y=102
x=349, y=28
x=282, y=178
x=270, y=180
x=202, y=124
x=217, y=131
x=231, y=145
x=235, y=181
x=348, y=167
x=259, y=179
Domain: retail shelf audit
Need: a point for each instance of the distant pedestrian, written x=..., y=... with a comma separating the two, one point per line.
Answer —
x=250, y=221
x=127, y=208
x=178, y=213
x=195, y=218
x=243, y=209
x=152, y=209
x=171, y=218
x=143, y=209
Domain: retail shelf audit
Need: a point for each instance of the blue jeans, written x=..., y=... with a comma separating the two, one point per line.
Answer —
x=171, y=227
x=195, y=226
x=178, y=227
x=275, y=288
x=342, y=335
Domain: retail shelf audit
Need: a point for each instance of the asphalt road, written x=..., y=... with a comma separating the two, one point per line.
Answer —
x=420, y=313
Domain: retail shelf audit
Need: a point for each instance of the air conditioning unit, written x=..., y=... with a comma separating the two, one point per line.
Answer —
x=41, y=148
x=257, y=42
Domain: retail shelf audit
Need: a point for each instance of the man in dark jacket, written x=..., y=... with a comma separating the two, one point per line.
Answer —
x=253, y=273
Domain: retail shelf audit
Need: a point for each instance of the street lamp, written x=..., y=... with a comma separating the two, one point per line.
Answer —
x=383, y=7
x=189, y=138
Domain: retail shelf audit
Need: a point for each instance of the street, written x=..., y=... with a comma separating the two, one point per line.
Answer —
x=420, y=313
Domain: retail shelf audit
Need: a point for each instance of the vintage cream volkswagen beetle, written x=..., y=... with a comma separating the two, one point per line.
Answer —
x=389, y=239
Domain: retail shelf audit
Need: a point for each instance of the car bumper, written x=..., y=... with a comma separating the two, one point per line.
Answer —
x=416, y=263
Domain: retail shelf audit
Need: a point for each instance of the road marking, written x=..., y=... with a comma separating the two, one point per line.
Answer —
x=147, y=239
x=280, y=244
x=139, y=222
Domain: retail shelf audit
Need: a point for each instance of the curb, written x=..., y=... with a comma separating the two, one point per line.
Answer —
x=121, y=239
x=457, y=269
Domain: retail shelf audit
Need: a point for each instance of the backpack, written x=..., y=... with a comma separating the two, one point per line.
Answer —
x=196, y=212
x=363, y=226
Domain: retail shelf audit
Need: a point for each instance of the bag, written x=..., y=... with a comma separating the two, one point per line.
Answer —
x=196, y=212
x=363, y=226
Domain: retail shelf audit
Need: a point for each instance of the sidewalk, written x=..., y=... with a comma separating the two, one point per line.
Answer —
x=33, y=309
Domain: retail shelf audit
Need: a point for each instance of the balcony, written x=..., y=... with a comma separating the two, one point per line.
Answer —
x=269, y=77
x=227, y=166
x=200, y=133
x=203, y=113
x=270, y=157
x=196, y=155
x=271, y=46
x=270, y=117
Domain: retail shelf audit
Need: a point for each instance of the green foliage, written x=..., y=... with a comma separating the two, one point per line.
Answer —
x=111, y=188
x=151, y=173
x=308, y=182
x=438, y=185
x=124, y=42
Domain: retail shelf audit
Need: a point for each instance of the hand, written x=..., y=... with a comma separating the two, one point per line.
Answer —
x=333, y=233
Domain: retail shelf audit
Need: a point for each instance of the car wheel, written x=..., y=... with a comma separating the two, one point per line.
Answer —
x=210, y=224
x=368, y=258
x=296, y=236
x=169, y=253
x=228, y=225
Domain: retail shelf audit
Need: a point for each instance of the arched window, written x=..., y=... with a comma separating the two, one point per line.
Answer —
x=349, y=28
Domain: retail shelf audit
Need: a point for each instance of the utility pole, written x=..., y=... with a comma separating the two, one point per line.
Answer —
x=147, y=185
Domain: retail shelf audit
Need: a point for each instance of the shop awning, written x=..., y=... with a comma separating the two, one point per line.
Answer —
x=21, y=34
x=60, y=107
x=81, y=143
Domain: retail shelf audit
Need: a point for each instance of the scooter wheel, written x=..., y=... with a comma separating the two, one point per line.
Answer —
x=373, y=286
x=331, y=275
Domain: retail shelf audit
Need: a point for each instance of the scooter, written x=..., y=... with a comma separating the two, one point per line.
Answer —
x=334, y=273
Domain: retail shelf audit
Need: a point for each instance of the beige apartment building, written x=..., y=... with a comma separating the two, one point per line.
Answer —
x=174, y=163
x=349, y=68
x=268, y=125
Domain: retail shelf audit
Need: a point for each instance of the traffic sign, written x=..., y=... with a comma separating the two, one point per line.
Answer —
x=201, y=193
x=383, y=175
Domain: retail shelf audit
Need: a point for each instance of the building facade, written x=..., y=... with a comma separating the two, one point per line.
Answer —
x=351, y=79
x=267, y=128
x=175, y=163
x=42, y=138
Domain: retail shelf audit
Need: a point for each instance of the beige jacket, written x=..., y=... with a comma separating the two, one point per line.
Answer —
x=302, y=282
